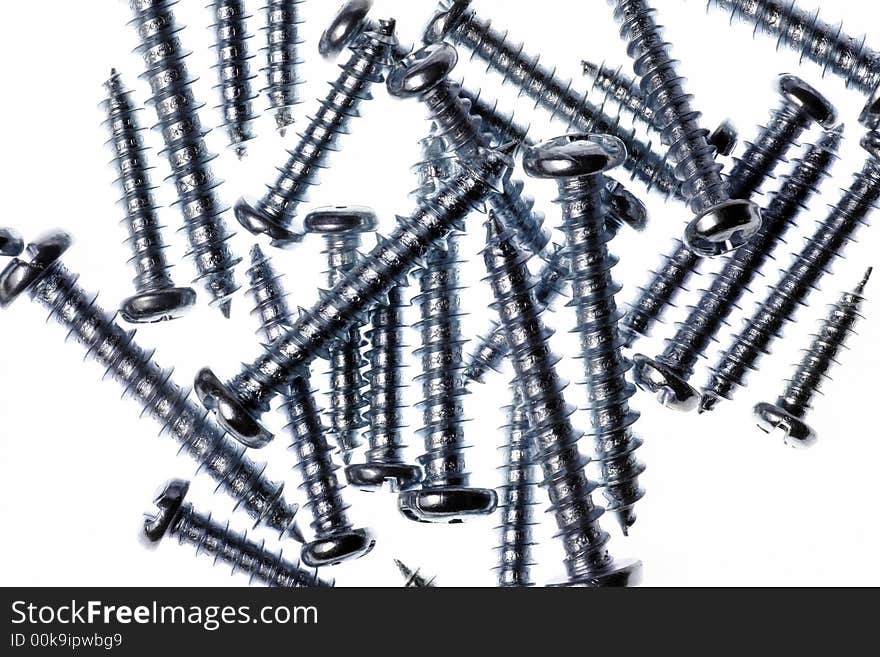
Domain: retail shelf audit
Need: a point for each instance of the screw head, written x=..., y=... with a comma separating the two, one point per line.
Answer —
x=422, y=70
x=619, y=574
x=870, y=116
x=11, y=243
x=349, y=22
x=366, y=476
x=256, y=221
x=722, y=228
x=795, y=432
x=450, y=504
x=800, y=93
x=625, y=208
x=334, y=220
x=446, y=21
x=230, y=413
x=168, y=503
x=158, y=305
x=337, y=548
x=575, y=155
x=871, y=143
x=672, y=391
x=19, y=275
x=724, y=137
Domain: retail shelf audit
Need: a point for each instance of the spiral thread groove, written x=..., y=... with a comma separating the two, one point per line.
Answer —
x=622, y=90
x=282, y=59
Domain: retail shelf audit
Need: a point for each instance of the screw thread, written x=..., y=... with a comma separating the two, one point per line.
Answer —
x=557, y=97
x=718, y=301
x=186, y=150
x=238, y=551
x=622, y=90
x=269, y=296
x=371, y=55
x=414, y=578
x=282, y=59
x=502, y=126
x=437, y=165
x=806, y=271
x=141, y=378
x=516, y=500
x=234, y=72
x=804, y=32
x=131, y=164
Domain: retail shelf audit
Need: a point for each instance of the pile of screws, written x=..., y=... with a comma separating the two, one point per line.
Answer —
x=358, y=325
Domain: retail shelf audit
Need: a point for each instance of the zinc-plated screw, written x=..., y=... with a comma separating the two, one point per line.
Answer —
x=803, y=275
x=239, y=403
x=11, y=243
x=186, y=150
x=174, y=517
x=384, y=463
x=827, y=45
x=274, y=213
x=668, y=375
x=235, y=78
x=424, y=74
x=157, y=297
x=722, y=222
x=459, y=24
x=282, y=60
x=587, y=560
x=516, y=499
x=788, y=413
x=336, y=539
x=414, y=578
x=577, y=164
x=800, y=106
x=341, y=229
x=51, y=285
x=352, y=20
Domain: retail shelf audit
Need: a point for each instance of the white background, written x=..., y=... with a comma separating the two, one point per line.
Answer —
x=725, y=504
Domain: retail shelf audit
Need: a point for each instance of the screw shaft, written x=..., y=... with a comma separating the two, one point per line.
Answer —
x=282, y=59
x=622, y=90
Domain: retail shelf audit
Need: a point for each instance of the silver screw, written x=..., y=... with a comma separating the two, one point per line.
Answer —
x=577, y=164
x=50, y=284
x=186, y=150
x=517, y=497
x=11, y=243
x=803, y=275
x=800, y=107
x=235, y=79
x=722, y=222
x=282, y=60
x=414, y=578
x=341, y=229
x=239, y=403
x=157, y=297
x=587, y=560
x=353, y=20
x=336, y=539
x=174, y=517
x=459, y=24
x=788, y=413
x=274, y=213
x=668, y=375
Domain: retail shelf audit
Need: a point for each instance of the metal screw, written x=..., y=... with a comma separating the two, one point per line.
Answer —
x=51, y=285
x=722, y=222
x=157, y=297
x=185, y=148
x=414, y=578
x=176, y=518
x=517, y=497
x=459, y=24
x=424, y=74
x=341, y=229
x=352, y=20
x=384, y=463
x=800, y=106
x=274, y=213
x=11, y=243
x=790, y=409
x=336, y=539
x=806, y=271
x=239, y=403
x=577, y=164
x=667, y=376
x=281, y=52
x=827, y=45
x=234, y=72
x=587, y=560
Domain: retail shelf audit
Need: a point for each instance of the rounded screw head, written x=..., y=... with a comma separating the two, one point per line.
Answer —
x=337, y=548
x=871, y=143
x=422, y=70
x=257, y=222
x=625, y=208
x=19, y=275
x=11, y=243
x=620, y=574
x=811, y=101
x=445, y=21
x=341, y=219
x=229, y=412
x=574, y=155
x=723, y=228
x=796, y=432
x=158, y=306
x=672, y=391
x=168, y=503
x=724, y=137
x=402, y=476
x=349, y=22
x=448, y=504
